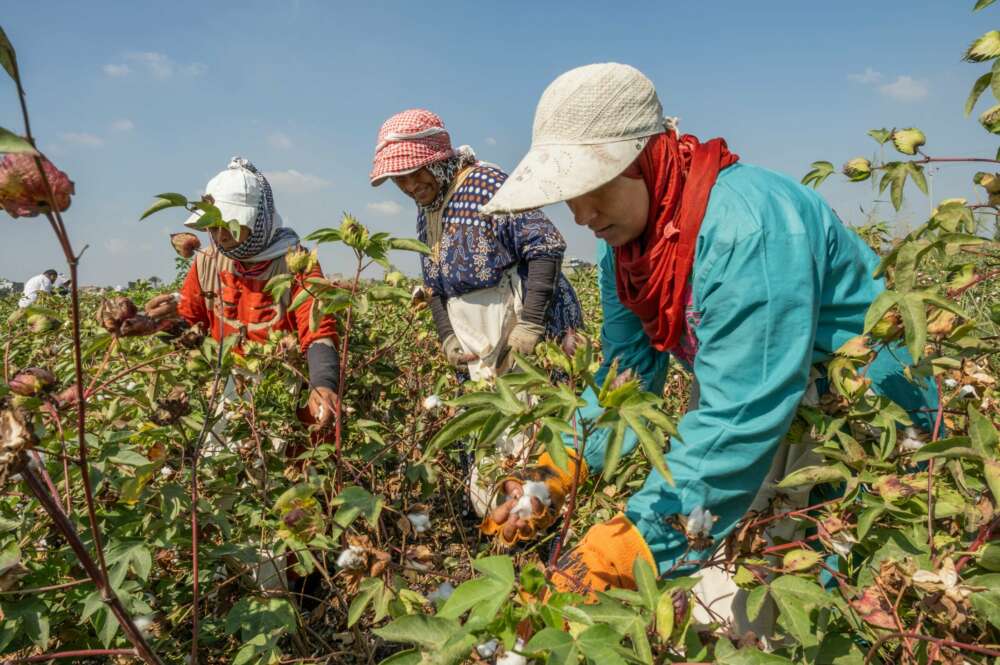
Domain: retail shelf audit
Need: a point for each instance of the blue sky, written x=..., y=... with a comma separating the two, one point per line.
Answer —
x=132, y=99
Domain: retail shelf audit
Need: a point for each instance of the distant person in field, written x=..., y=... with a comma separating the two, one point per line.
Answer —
x=495, y=284
x=745, y=277
x=38, y=284
x=225, y=284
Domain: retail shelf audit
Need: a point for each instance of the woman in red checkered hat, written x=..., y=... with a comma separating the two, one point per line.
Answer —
x=496, y=282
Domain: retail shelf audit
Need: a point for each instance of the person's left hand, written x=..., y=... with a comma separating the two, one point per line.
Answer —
x=525, y=337
x=322, y=406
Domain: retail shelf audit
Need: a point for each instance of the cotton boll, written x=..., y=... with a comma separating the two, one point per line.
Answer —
x=699, y=522
x=143, y=624
x=911, y=440
x=968, y=391
x=432, y=402
x=950, y=384
x=351, y=558
x=511, y=658
x=523, y=509
x=442, y=593
x=538, y=490
x=487, y=649
x=419, y=521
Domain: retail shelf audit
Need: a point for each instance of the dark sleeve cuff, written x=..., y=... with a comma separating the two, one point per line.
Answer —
x=441, y=321
x=324, y=365
x=539, y=287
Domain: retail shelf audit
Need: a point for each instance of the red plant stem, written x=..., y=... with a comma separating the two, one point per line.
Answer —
x=51, y=506
x=793, y=513
x=128, y=370
x=45, y=474
x=83, y=653
x=99, y=575
x=568, y=517
x=928, y=160
x=985, y=534
x=927, y=638
x=42, y=589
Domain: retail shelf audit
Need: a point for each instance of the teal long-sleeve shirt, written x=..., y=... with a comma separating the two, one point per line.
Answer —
x=778, y=284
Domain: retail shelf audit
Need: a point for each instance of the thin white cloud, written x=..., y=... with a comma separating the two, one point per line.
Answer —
x=296, y=182
x=905, y=89
x=385, y=208
x=279, y=141
x=869, y=76
x=122, y=125
x=116, y=70
x=491, y=141
x=116, y=246
x=157, y=65
x=83, y=138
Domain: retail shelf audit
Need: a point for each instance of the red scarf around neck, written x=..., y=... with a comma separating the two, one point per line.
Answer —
x=652, y=271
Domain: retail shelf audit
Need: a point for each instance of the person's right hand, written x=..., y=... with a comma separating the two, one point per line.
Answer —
x=511, y=521
x=162, y=307
x=454, y=352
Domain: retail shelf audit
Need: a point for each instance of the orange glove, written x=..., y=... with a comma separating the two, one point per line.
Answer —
x=603, y=559
x=534, y=500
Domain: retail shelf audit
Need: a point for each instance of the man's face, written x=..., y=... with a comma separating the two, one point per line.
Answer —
x=419, y=186
x=224, y=239
x=615, y=212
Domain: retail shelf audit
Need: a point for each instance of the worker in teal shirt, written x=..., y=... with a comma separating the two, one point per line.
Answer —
x=743, y=275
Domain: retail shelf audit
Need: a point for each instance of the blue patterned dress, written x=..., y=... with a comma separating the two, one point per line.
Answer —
x=475, y=251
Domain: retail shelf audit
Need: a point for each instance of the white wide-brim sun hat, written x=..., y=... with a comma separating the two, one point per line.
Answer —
x=591, y=123
x=237, y=193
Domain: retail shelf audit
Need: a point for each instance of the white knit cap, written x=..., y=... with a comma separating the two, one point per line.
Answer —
x=590, y=125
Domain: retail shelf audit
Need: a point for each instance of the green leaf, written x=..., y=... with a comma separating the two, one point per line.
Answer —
x=978, y=87
x=916, y=172
x=600, y=645
x=645, y=580
x=755, y=601
x=354, y=501
x=561, y=646
x=457, y=428
x=820, y=172
x=725, y=652
x=989, y=557
x=409, y=245
x=987, y=603
x=946, y=448
x=8, y=57
x=164, y=201
x=982, y=4
x=367, y=590
x=914, y=313
x=880, y=135
x=815, y=475
x=883, y=303
x=407, y=657
x=983, y=433
x=796, y=598
x=430, y=632
x=12, y=143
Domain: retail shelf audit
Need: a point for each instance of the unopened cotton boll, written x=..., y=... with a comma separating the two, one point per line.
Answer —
x=352, y=557
x=442, y=593
x=432, y=402
x=419, y=521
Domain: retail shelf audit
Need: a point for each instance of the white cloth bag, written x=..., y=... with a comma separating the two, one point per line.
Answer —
x=483, y=319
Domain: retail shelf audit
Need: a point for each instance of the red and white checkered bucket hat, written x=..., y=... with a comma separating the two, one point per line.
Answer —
x=408, y=141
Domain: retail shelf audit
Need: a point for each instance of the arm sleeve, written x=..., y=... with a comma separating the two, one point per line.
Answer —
x=301, y=316
x=622, y=338
x=439, y=311
x=530, y=235
x=324, y=364
x=539, y=287
x=192, y=302
x=759, y=310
